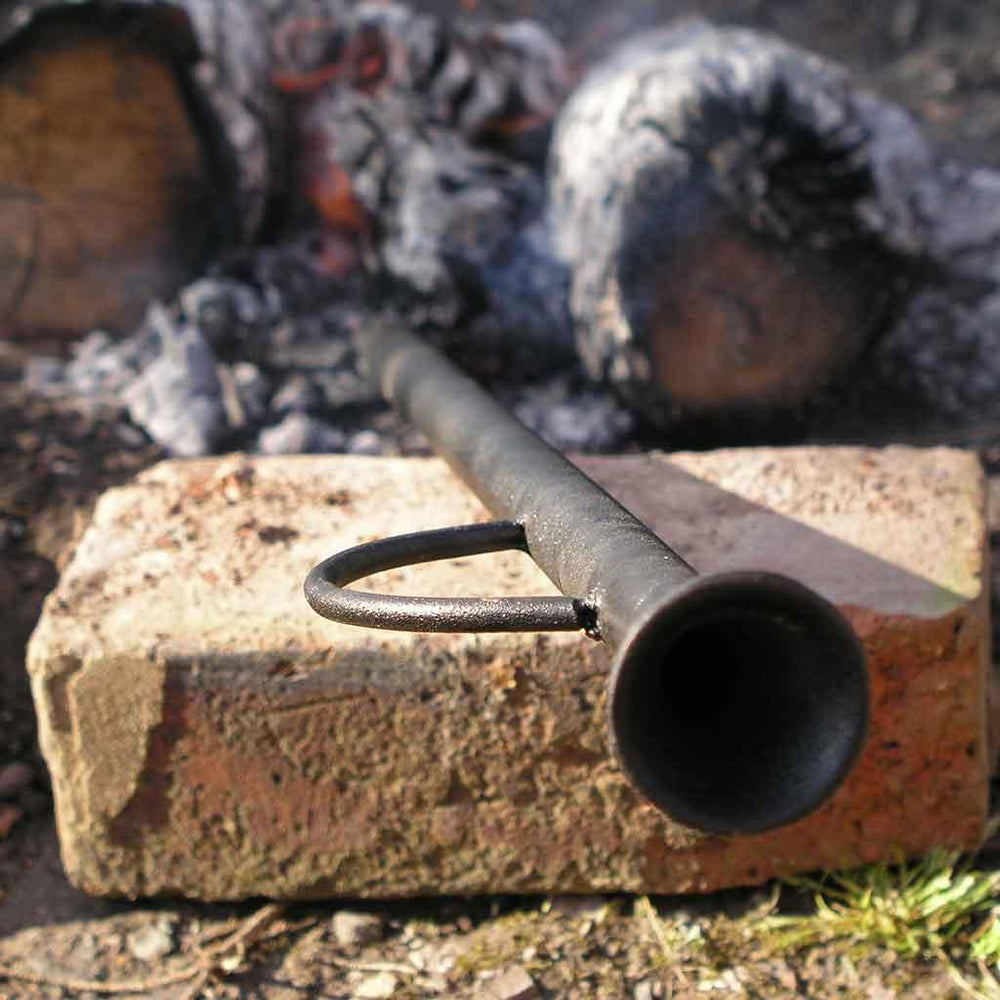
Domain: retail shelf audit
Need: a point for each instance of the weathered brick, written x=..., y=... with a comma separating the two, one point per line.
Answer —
x=209, y=735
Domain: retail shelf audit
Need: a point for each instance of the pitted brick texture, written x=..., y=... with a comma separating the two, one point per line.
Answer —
x=209, y=735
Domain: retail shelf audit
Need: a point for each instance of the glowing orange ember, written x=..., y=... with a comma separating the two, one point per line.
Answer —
x=329, y=189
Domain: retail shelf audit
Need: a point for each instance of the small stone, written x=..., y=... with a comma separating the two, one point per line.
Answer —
x=14, y=779
x=252, y=388
x=376, y=987
x=300, y=434
x=584, y=908
x=297, y=395
x=10, y=816
x=355, y=930
x=441, y=958
x=152, y=942
x=365, y=443
x=644, y=991
x=513, y=984
x=130, y=436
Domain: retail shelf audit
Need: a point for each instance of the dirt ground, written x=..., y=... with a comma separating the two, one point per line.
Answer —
x=941, y=60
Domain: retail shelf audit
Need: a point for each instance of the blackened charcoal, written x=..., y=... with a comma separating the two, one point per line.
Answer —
x=410, y=42
x=345, y=388
x=574, y=419
x=288, y=277
x=317, y=341
x=525, y=325
x=312, y=354
x=229, y=314
x=538, y=65
x=444, y=203
x=252, y=388
x=498, y=80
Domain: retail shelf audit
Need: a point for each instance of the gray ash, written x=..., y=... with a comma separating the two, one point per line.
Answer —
x=423, y=190
x=227, y=365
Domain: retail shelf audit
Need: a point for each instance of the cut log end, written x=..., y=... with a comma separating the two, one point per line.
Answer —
x=109, y=192
x=717, y=197
x=735, y=319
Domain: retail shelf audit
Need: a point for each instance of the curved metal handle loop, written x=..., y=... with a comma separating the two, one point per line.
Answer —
x=327, y=595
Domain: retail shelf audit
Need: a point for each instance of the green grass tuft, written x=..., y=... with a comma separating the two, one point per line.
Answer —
x=937, y=909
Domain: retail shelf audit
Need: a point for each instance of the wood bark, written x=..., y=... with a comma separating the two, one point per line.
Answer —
x=735, y=217
x=138, y=137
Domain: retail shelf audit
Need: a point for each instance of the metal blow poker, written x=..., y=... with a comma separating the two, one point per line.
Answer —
x=737, y=702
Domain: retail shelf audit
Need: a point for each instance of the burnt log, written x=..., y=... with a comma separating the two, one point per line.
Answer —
x=736, y=220
x=139, y=138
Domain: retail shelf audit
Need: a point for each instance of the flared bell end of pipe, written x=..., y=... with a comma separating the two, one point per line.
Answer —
x=740, y=704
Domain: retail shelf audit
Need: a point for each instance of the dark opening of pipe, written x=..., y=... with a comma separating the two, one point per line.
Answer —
x=737, y=710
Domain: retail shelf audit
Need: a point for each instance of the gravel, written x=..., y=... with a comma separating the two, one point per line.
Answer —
x=153, y=941
x=355, y=930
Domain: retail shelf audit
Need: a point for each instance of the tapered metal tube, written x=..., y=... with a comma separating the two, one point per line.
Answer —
x=737, y=702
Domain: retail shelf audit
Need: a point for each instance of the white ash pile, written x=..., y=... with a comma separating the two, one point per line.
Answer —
x=228, y=366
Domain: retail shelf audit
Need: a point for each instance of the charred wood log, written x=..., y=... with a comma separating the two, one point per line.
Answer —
x=138, y=137
x=736, y=219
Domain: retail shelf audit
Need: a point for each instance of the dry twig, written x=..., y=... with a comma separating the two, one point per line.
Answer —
x=225, y=956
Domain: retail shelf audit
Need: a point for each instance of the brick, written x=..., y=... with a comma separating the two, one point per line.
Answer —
x=208, y=735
